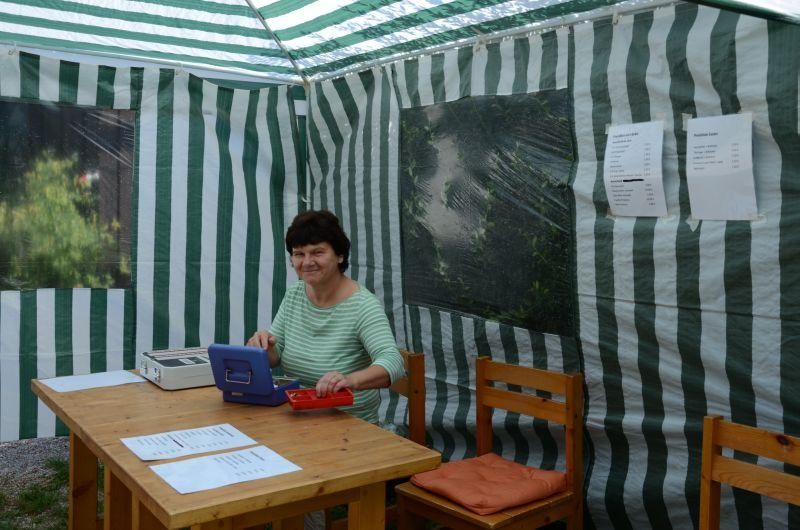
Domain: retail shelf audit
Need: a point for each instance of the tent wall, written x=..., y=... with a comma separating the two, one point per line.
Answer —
x=677, y=317
x=215, y=183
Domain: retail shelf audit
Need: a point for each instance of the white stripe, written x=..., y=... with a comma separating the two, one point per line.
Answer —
x=81, y=344
x=290, y=188
x=424, y=80
x=208, y=244
x=148, y=125
x=394, y=257
x=525, y=352
x=10, y=84
x=306, y=13
x=452, y=76
x=87, y=84
x=507, y=67
x=49, y=75
x=345, y=132
x=535, y=62
x=115, y=329
x=356, y=89
x=178, y=198
x=122, y=88
x=9, y=365
x=238, y=235
x=431, y=395
x=470, y=348
x=480, y=56
x=45, y=356
x=376, y=127
x=555, y=363
x=400, y=83
x=263, y=177
x=562, y=38
x=499, y=416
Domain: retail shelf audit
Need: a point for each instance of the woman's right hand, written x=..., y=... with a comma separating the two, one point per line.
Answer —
x=262, y=339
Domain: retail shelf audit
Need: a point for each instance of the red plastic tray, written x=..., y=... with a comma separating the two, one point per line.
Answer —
x=306, y=398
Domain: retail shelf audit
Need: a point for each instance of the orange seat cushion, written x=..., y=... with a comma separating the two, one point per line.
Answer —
x=490, y=483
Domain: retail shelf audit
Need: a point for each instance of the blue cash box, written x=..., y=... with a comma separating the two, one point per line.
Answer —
x=244, y=375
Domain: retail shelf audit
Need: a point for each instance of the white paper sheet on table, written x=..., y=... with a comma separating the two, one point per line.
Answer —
x=68, y=383
x=214, y=471
x=719, y=167
x=632, y=170
x=187, y=442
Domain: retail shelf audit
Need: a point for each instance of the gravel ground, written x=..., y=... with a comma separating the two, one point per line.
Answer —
x=23, y=462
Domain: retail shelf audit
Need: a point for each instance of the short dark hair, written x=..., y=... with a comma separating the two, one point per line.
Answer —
x=319, y=226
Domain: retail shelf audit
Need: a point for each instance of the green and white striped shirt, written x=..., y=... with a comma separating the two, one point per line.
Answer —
x=347, y=337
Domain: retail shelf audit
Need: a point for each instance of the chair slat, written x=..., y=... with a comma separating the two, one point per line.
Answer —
x=527, y=377
x=757, y=441
x=538, y=407
x=757, y=479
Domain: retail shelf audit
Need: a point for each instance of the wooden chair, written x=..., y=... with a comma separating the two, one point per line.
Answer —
x=718, y=469
x=412, y=386
x=416, y=504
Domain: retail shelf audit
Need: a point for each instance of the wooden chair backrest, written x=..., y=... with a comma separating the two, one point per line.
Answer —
x=412, y=386
x=568, y=413
x=718, y=469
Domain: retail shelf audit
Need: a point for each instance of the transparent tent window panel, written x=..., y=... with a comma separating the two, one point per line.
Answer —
x=65, y=196
x=485, y=208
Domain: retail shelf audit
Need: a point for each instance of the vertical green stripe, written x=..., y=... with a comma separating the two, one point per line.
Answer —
x=137, y=83
x=28, y=407
x=277, y=180
x=98, y=328
x=136, y=103
x=386, y=235
x=222, y=282
x=465, y=71
x=644, y=295
x=437, y=77
x=522, y=54
x=605, y=291
x=737, y=275
x=129, y=330
x=105, y=86
x=416, y=329
x=491, y=75
x=463, y=384
x=512, y=422
x=29, y=75
x=163, y=206
x=63, y=334
x=437, y=416
x=782, y=93
x=549, y=61
x=351, y=110
x=252, y=260
x=367, y=79
x=194, y=212
x=68, y=82
x=338, y=141
x=319, y=150
x=411, y=68
x=681, y=93
x=300, y=144
x=482, y=345
x=549, y=446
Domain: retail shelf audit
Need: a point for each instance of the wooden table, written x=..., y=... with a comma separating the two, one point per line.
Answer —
x=344, y=460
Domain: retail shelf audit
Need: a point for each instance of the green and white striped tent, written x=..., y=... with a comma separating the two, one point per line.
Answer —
x=676, y=318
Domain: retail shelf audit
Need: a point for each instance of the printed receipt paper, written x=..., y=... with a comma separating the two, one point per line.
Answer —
x=187, y=442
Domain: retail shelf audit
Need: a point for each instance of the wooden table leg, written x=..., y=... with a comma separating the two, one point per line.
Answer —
x=290, y=523
x=116, y=503
x=369, y=512
x=82, y=485
x=142, y=518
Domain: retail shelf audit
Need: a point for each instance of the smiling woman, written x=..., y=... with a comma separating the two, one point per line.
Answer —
x=330, y=332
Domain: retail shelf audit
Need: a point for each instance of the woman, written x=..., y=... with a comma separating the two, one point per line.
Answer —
x=330, y=332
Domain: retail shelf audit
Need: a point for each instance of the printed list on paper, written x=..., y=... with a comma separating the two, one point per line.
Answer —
x=187, y=442
x=632, y=170
x=214, y=471
x=69, y=383
x=719, y=167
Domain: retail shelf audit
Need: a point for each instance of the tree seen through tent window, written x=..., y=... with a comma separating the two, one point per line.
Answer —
x=65, y=196
x=486, y=216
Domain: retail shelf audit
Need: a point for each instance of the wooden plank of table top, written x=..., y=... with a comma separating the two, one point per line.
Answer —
x=336, y=451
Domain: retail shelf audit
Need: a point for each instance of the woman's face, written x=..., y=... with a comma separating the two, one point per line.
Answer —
x=316, y=264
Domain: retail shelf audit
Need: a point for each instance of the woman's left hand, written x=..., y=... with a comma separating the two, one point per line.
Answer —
x=333, y=382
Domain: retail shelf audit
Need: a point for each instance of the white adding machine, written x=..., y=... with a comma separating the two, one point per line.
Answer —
x=177, y=369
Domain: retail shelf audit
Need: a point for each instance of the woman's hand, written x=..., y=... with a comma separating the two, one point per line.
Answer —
x=263, y=339
x=333, y=382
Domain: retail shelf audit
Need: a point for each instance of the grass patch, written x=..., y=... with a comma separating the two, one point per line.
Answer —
x=41, y=504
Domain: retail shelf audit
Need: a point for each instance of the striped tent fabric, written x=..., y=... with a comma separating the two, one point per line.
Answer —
x=217, y=179
x=678, y=318
x=284, y=41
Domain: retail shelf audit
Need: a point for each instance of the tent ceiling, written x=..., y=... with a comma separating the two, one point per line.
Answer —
x=288, y=40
